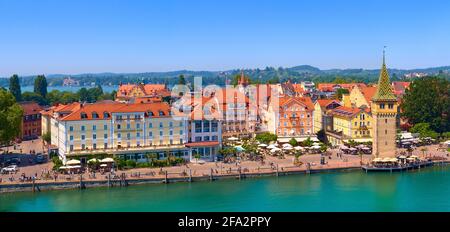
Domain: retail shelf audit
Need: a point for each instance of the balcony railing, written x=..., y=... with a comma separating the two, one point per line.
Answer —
x=116, y=149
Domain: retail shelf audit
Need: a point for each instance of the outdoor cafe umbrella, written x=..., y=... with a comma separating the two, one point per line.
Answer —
x=239, y=148
x=74, y=167
x=275, y=150
x=103, y=165
x=233, y=139
x=107, y=160
x=402, y=157
x=63, y=167
x=271, y=146
x=287, y=145
x=315, y=147
x=343, y=147
x=73, y=162
x=316, y=144
x=287, y=148
x=298, y=148
x=377, y=160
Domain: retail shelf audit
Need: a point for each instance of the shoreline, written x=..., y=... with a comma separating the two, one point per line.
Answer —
x=65, y=185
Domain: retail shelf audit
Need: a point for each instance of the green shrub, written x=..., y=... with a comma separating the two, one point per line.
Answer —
x=57, y=163
x=130, y=164
x=120, y=163
x=424, y=130
x=143, y=165
x=159, y=163
x=266, y=137
x=293, y=142
x=446, y=135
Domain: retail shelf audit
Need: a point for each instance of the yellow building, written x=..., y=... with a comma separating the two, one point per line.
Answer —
x=359, y=96
x=350, y=123
x=322, y=120
x=125, y=130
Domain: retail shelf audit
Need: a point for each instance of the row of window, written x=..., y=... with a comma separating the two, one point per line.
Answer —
x=206, y=138
x=390, y=106
x=138, y=126
x=362, y=124
x=32, y=117
x=207, y=126
x=294, y=115
x=204, y=151
x=362, y=132
x=119, y=135
x=138, y=144
x=294, y=123
x=287, y=132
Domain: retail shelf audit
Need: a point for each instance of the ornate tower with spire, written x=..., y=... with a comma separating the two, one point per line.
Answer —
x=384, y=111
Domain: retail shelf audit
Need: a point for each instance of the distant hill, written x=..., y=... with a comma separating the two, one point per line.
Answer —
x=296, y=74
x=305, y=69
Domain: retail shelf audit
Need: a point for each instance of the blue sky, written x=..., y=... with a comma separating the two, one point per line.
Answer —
x=137, y=36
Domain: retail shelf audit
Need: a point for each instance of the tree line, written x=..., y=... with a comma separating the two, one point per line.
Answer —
x=426, y=105
x=42, y=97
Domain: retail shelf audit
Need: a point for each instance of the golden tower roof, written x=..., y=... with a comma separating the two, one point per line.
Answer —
x=384, y=90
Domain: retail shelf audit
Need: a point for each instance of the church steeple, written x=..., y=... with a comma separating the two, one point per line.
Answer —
x=242, y=80
x=384, y=89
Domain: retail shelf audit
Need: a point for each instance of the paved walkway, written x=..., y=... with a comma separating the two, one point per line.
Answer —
x=218, y=168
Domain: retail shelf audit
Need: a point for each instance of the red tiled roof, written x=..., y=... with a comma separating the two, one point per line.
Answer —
x=197, y=106
x=147, y=99
x=298, y=88
x=399, y=87
x=329, y=87
x=348, y=111
x=306, y=101
x=368, y=92
x=30, y=108
x=326, y=102
x=115, y=107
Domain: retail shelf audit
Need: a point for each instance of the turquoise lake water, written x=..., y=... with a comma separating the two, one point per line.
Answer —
x=422, y=190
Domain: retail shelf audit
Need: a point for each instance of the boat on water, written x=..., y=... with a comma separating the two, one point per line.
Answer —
x=383, y=166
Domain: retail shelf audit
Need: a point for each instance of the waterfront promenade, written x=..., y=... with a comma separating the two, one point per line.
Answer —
x=192, y=172
x=271, y=166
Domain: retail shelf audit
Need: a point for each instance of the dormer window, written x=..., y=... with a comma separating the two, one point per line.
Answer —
x=150, y=113
x=83, y=115
x=105, y=114
x=161, y=113
x=94, y=115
